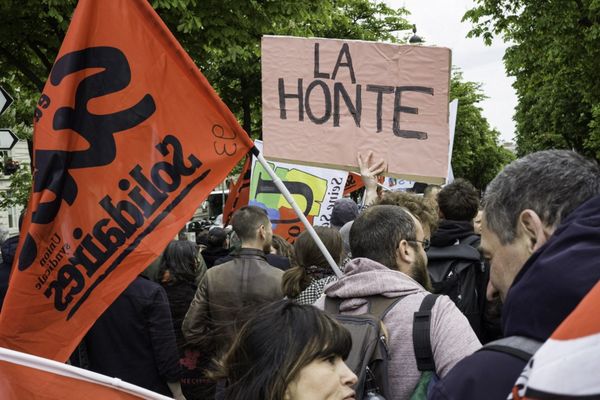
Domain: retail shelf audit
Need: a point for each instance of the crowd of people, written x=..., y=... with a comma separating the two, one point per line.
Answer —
x=239, y=314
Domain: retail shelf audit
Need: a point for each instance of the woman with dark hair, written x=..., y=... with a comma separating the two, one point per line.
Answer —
x=177, y=274
x=288, y=351
x=304, y=282
x=282, y=247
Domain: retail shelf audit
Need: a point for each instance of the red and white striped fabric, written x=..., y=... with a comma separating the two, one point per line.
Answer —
x=23, y=376
x=567, y=366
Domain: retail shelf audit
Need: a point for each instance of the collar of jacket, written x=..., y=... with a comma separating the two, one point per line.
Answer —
x=250, y=253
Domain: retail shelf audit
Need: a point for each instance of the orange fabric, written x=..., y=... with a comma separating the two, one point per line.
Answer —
x=238, y=194
x=353, y=183
x=129, y=138
x=21, y=382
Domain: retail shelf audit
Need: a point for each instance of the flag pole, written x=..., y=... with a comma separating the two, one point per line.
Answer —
x=286, y=193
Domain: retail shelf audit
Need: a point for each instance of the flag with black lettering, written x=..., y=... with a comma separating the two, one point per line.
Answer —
x=129, y=138
x=239, y=193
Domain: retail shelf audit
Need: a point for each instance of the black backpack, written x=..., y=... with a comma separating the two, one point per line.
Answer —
x=459, y=272
x=369, y=355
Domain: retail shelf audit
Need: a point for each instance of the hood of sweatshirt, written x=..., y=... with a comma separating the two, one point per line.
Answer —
x=364, y=277
x=557, y=276
x=449, y=231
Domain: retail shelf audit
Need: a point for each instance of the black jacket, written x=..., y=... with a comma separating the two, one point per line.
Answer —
x=134, y=340
x=9, y=249
x=546, y=290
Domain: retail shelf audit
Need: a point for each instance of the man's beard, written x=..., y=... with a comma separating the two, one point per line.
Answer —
x=419, y=272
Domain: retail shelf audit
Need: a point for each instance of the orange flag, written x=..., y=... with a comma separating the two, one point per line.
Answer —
x=23, y=376
x=129, y=138
x=353, y=183
x=239, y=193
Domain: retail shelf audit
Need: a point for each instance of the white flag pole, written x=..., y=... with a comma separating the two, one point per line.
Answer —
x=286, y=193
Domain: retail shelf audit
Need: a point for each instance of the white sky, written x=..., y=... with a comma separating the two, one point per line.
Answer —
x=438, y=22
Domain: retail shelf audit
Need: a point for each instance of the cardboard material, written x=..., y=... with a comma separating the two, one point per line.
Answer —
x=324, y=100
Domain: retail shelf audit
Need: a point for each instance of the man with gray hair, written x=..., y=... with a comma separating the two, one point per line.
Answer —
x=388, y=245
x=541, y=235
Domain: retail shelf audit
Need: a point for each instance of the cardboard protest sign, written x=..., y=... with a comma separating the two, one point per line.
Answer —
x=315, y=190
x=129, y=138
x=326, y=99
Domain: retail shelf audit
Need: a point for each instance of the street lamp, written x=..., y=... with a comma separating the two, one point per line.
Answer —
x=414, y=39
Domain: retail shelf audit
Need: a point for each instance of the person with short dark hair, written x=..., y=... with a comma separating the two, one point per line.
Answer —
x=304, y=282
x=217, y=246
x=228, y=290
x=288, y=351
x=388, y=245
x=456, y=242
x=541, y=235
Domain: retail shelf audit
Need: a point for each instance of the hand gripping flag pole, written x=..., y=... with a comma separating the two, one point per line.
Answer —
x=286, y=193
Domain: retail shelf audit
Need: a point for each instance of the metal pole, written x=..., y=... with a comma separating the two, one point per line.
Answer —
x=286, y=193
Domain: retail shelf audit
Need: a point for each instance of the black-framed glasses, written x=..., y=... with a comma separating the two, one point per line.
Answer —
x=425, y=243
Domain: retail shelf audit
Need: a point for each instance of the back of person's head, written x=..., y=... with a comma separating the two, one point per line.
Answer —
x=282, y=247
x=552, y=183
x=217, y=237
x=377, y=232
x=431, y=191
x=247, y=220
x=344, y=210
x=458, y=201
x=308, y=256
x=275, y=345
x=416, y=205
x=179, y=259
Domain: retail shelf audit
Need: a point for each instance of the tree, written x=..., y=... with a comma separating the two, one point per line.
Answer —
x=554, y=58
x=476, y=155
x=222, y=36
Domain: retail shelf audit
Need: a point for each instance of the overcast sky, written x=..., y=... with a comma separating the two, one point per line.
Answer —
x=438, y=21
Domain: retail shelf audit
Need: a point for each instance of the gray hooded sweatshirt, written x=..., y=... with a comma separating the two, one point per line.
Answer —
x=452, y=338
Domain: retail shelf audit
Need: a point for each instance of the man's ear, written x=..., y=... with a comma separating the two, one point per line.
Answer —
x=404, y=255
x=535, y=231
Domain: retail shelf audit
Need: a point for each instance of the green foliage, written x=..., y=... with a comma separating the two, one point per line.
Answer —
x=476, y=156
x=554, y=57
x=19, y=189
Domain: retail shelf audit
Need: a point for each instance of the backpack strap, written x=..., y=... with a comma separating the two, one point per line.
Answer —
x=422, y=334
x=519, y=346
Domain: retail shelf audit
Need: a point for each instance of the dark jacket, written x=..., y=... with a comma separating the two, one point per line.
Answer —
x=9, y=249
x=212, y=254
x=134, y=340
x=226, y=296
x=549, y=286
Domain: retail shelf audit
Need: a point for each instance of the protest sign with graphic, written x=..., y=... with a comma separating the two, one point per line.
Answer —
x=315, y=190
x=324, y=100
x=129, y=138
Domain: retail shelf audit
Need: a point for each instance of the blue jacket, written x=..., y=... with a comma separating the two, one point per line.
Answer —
x=549, y=286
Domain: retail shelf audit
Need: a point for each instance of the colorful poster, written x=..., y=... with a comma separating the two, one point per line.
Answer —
x=315, y=190
x=129, y=138
x=325, y=100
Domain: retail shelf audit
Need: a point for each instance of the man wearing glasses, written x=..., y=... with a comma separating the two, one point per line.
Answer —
x=388, y=246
